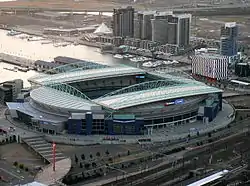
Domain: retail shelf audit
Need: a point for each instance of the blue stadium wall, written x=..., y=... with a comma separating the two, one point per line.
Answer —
x=108, y=126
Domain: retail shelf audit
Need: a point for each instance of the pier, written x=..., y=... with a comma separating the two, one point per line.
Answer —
x=15, y=60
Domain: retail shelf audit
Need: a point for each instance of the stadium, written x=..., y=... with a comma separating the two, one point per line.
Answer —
x=89, y=98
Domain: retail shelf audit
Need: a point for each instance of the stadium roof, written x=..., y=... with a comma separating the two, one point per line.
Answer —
x=90, y=74
x=26, y=108
x=130, y=99
x=59, y=99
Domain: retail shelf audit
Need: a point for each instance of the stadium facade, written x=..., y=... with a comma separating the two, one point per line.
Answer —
x=89, y=98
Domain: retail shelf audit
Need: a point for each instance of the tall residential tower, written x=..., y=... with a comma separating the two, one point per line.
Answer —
x=123, y=22
x=228, y=40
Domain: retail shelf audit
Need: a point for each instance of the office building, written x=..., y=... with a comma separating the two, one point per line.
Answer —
x=123, y=22
x=210, y=65
x=9, y=90
x=242, y=69
x=228, y=40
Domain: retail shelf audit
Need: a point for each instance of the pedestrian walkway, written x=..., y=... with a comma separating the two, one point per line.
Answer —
x=37, y=142
x=50, y=177
x=43, y=148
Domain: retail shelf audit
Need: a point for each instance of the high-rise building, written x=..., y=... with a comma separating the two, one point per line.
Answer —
x=179, y=29
x=146, y=25
x=160, y=27
x=183, y=29
x=228, y=40
x=172, y=29
x=123, y=22
x=138, y=20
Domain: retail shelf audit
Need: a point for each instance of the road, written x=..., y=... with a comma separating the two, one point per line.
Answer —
x=13, y=175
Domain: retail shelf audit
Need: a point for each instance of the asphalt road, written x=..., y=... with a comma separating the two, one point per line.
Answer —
x=13, y=175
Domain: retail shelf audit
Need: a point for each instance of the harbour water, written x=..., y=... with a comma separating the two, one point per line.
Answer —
x=35, y=50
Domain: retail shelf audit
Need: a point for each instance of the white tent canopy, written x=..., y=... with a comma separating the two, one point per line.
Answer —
x=103, y=29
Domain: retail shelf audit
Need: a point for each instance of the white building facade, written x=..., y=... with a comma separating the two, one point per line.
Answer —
x=210, y=65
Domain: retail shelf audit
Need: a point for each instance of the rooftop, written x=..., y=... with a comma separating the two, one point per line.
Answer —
x=230, y=24
x=211, y=55
x=130, y=99
x=26, y=108
x=89, y=74
x=60, y=99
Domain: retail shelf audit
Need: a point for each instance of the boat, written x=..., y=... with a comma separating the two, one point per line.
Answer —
x=61, y=44
x=128, y=56
x=158, y=63
x=23, y=69
x=46, y=42
x=139, y=59
x=148, y=64
x=36, y=39
x=10, y=69
x=13, y=33
x=118, y=56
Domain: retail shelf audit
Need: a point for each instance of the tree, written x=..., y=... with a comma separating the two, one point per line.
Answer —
x=91, y=156
x=21, y=166
x=107, y=152
x=110, y=160
x=128, y=152
x=98, y=154
x=94, y=165
x=198, y=133
x=87, y=165
x=15, y=163
x=83, y=157
x=81, y=165
x=209, y=134
x=26, y=169
x=76, y=159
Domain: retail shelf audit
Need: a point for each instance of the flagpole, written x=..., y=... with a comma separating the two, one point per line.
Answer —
x=54, y=156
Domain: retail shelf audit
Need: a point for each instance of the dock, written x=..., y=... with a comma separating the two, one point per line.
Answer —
x=15, y=60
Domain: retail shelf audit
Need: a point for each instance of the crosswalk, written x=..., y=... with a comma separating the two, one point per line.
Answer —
x=43, y=148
